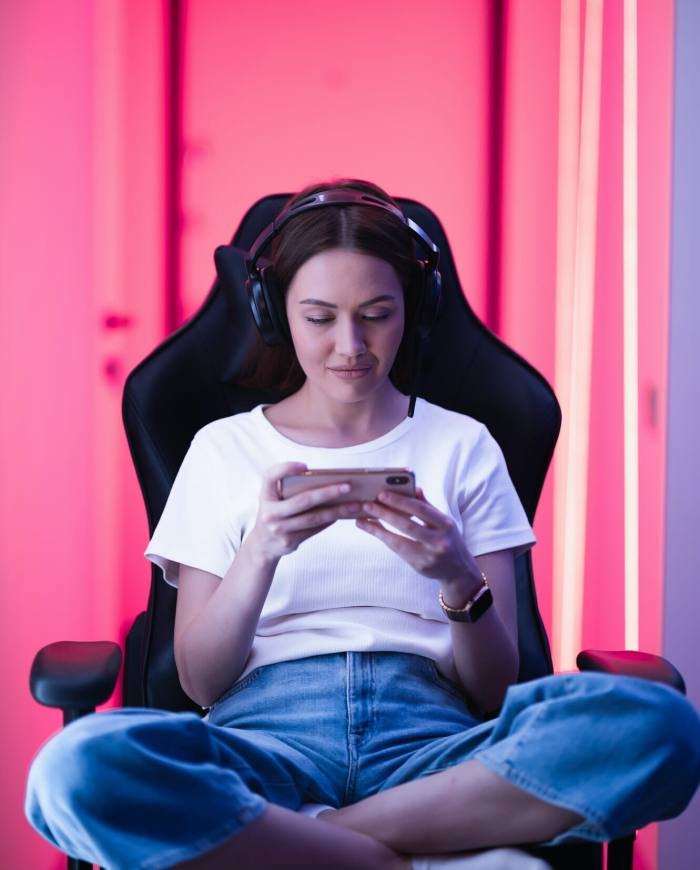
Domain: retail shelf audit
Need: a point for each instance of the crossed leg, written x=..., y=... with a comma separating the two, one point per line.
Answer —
x=464, y=807
x=281, y=839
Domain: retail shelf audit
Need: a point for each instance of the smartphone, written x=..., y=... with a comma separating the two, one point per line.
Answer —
x=366, y=483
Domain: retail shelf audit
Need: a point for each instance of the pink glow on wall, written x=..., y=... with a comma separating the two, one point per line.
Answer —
x=80, y=239
x=528, y=253
x=383, y=91
x=603, y=603
x=655, y=39
x=45, y=342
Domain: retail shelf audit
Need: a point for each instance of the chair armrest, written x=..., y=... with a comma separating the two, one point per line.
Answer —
x=631, y=664
x=75, y=676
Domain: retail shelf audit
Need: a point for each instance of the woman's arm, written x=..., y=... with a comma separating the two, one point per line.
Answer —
x=215, y=622
x=486, y=652
x=215, y=619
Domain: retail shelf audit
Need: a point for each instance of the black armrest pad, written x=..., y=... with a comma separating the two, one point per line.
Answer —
x=631, y=664
x=75, y=675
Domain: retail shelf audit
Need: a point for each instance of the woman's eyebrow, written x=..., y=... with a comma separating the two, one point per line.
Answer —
x=382, y=298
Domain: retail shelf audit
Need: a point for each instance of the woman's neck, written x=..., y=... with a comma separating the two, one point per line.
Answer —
x=305, y=414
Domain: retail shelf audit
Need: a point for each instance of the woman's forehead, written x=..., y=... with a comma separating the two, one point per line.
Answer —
x=340, y=272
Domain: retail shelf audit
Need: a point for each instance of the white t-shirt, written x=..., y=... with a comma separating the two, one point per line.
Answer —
x=342, y=589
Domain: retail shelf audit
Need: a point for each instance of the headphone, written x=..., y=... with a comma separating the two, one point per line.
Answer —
x=266, y=300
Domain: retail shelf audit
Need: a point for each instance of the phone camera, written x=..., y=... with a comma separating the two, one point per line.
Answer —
x=397, y=479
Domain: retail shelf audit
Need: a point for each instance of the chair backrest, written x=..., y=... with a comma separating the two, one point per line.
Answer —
x=190, y=380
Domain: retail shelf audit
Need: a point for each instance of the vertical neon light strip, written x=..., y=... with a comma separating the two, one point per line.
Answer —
x=630, y=323
x=567, y=185
x=575, y=455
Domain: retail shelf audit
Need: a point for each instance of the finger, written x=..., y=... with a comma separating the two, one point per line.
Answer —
x=414, y=507
x=311, y=498
x=325, y=516
x=401, y=521
x=314, y=530
x=403, y=547
x=275, y=473
x=304, y=534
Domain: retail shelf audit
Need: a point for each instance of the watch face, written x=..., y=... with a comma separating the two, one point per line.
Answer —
x=481, y=605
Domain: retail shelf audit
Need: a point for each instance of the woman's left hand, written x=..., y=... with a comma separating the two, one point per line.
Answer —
x=434, y=547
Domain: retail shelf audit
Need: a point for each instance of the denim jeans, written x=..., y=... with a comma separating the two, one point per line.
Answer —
x=141, y=788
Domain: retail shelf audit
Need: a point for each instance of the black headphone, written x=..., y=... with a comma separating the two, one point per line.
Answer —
x=267, y=301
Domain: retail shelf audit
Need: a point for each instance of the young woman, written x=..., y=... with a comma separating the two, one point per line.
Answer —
x=351, y=654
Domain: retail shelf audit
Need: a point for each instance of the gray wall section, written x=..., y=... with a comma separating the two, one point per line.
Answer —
x=679, y=839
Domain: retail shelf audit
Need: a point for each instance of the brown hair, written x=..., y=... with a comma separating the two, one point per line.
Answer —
x=362, y=228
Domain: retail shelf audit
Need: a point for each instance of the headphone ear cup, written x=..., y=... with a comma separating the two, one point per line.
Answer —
x=278, y=326
x=258, y=308
x=429, y=294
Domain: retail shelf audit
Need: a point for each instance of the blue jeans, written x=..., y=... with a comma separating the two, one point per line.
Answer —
x=138, y=788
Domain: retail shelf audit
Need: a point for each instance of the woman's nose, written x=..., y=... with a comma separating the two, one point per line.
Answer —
x=350, y=338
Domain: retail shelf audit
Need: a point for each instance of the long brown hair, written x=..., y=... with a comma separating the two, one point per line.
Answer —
x=362, y=228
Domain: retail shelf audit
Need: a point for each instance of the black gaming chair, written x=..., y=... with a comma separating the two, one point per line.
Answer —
x=190, y=380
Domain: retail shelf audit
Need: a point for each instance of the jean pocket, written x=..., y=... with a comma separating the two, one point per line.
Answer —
x=237, y=687
x=444, y=682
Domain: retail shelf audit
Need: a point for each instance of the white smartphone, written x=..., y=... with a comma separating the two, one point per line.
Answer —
x=366, y=483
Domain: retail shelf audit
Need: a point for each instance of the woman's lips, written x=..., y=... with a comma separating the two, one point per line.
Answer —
x=351, y=374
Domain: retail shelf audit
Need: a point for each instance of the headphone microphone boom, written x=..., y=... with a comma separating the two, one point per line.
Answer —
x=267, y=302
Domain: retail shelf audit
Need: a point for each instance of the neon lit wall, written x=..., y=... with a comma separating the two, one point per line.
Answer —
x=81, y=217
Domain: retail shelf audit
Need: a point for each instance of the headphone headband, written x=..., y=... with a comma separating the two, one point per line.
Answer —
x=338, y=196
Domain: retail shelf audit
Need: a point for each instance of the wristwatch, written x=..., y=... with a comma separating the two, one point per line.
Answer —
x=474, y=609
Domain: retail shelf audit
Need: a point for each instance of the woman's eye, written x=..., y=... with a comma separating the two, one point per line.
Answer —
x=321, y=320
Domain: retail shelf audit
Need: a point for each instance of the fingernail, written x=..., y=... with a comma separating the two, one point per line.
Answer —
x=345, y=487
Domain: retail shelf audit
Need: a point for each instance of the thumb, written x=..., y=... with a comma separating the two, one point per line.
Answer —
x=275, y=473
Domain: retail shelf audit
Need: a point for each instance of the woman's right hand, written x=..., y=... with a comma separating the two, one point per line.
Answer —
x=282, y=524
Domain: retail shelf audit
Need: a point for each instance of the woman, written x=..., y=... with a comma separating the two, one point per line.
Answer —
x=348, y=669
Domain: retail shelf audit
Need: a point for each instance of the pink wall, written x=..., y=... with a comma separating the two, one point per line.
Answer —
x=384, y=91
x=80, y=237
x=529, y=209
x=46, y=428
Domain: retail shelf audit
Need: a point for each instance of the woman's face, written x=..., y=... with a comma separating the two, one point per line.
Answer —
x=346, y=317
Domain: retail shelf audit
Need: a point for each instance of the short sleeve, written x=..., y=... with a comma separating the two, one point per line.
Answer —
x=492, y=514
x=197, y=526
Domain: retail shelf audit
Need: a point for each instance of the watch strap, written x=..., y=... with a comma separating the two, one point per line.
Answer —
x=475, y=607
